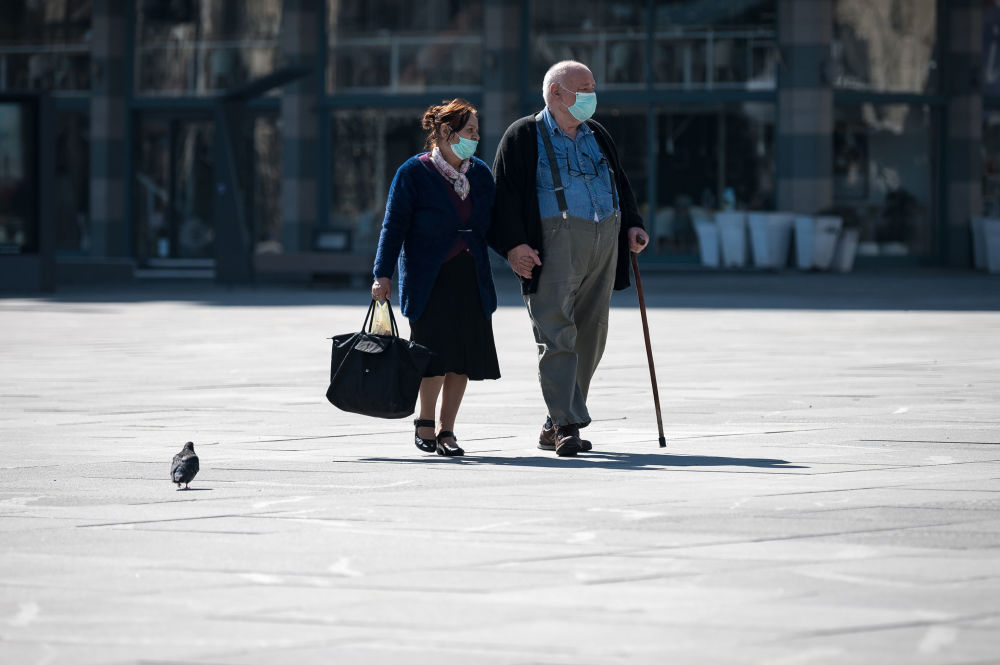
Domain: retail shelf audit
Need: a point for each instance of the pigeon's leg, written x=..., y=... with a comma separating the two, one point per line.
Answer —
x=186, y=486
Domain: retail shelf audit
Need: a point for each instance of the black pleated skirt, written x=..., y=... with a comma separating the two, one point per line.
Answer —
x=454, y=327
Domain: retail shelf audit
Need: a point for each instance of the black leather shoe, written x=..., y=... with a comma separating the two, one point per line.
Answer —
x=547, y=438
x=447, y=448
x=426, y=445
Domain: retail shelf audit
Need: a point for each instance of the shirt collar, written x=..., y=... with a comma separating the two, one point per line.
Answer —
x=554, y=128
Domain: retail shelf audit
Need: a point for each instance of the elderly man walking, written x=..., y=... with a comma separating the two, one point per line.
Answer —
x=566, y=218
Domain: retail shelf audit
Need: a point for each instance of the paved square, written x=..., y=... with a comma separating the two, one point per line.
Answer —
x=829, y=493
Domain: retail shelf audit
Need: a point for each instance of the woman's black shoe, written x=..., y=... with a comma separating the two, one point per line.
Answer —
x=446, y=448
x=426, y=445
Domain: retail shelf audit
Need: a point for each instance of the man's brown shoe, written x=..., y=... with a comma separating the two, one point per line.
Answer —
x=568, y=442
x=547, y=438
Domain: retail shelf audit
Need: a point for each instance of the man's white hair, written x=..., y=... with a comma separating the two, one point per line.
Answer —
x=557, y=74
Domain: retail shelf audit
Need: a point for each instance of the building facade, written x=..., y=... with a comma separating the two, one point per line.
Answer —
x=886, y=112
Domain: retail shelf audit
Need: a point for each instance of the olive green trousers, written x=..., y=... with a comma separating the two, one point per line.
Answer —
x=569, y=311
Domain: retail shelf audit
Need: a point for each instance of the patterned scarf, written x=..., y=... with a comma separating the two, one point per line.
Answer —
x=456, y=178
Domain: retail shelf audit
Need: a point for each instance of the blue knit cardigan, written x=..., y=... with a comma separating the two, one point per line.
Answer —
x=422, y=224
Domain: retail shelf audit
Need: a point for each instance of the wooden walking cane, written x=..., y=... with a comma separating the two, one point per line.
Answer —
x=649, y=349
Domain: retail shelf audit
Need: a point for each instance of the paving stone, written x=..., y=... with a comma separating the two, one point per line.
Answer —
x=829, y=492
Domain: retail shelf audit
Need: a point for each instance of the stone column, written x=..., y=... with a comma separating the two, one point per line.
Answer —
x=963, y=165
x=108, y=144
x=805, y=106
x=501, y=73
x=299, y=125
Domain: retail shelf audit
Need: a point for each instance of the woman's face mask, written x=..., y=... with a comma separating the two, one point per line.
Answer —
x=465, y=148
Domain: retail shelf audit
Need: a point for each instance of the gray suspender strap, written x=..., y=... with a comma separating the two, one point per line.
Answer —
x=543, y=131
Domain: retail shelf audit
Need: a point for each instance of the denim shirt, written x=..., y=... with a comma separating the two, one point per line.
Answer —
x=584, y=172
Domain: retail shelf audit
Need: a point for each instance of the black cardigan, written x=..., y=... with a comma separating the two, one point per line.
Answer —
x=516, y=219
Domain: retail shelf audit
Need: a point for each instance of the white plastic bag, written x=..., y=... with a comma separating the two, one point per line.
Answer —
x=381, y=324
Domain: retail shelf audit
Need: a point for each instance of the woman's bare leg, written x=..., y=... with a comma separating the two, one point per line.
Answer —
x=451, y=399
x=430, y=388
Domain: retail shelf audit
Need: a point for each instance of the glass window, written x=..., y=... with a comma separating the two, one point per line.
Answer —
x=608, y=36
x=706, y=45
x=991, y=163
x=266, y=188
x=404, y=47
x=45, y=45
x=152, y=188
x=991, y=49
x=887, y=46
x=72, y=185
x=370, y=145
x=199, y=46
x=18, y=179
x=174, y=193
x=883, y=176
x=627, y=127
x=710, y=158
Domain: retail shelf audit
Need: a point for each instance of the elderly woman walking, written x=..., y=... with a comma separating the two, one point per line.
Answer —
x=436, y=218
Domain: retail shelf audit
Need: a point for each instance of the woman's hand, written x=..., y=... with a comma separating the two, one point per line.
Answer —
x=381, y=288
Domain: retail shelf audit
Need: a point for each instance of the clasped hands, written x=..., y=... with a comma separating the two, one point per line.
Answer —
x=523, y=258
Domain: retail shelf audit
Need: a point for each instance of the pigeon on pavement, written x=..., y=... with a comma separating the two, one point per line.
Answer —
x=185, y=466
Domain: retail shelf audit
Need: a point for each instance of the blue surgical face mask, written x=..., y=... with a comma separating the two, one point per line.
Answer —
x=465, y=148
x=584, y=106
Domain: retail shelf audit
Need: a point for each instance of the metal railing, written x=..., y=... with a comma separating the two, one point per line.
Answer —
x=616, y=56
x=50, y=60
x=203, y=70
x=398, y=49
x=757, y=63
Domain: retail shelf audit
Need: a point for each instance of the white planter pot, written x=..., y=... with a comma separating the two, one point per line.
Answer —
x=991, y=234
x=816, y=241
x=708, y=243
x=978, y=242
x=825, y=235
x=847, y=249
x=733, y=237
x=770, y=237
x=804, y=242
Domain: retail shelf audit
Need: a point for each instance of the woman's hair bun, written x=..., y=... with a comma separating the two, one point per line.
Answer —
x=430, y=116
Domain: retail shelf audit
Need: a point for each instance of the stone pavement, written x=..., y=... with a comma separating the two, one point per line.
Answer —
x=829, y=493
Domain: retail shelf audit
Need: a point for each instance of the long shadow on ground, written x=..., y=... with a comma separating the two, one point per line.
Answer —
x=617, y=461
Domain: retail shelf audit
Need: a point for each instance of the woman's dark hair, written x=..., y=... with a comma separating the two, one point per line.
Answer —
x=454, y=113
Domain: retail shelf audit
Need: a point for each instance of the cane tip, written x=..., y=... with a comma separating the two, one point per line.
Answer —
x=663, y=442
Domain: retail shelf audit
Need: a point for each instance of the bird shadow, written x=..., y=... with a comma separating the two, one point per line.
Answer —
x=194, y=489
x=602, y=460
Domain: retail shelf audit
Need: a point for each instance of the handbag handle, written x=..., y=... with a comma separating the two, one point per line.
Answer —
x=364, y=326
x=371, y=314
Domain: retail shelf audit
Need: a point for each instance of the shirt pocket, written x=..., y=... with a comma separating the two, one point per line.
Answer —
x=604, y=180
x=544, y=177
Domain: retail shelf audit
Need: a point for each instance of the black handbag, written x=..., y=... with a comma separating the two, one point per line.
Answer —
x=376, y=375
